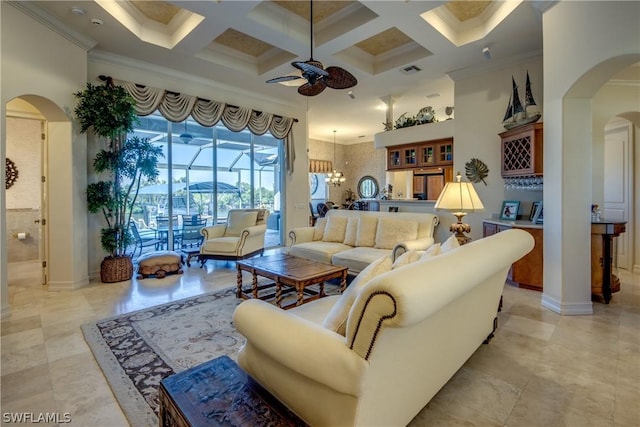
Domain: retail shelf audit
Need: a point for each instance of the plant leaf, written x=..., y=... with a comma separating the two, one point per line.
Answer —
x=476, y=171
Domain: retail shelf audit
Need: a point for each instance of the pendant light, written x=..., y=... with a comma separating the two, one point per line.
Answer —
x=336, y=178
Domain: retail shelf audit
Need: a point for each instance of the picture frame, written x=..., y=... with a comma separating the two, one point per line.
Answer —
x=509, y=210
x=534, y=208
x=393, y=209
x=538, y=216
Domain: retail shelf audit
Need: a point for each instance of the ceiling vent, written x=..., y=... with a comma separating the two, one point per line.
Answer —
x=410, y=69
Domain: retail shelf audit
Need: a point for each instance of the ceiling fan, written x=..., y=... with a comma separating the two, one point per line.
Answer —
x=318, y=78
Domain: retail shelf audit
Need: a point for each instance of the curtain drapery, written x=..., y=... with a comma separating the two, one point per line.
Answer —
x=176, y=107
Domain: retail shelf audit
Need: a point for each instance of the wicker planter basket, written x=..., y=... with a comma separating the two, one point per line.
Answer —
x=116, y=269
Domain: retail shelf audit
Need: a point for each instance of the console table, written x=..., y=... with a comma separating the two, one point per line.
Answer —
x=603, y=281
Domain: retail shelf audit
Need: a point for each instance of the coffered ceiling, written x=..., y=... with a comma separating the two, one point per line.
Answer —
x=399, y=50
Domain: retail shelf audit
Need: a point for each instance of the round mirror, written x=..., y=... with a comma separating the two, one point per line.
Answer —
x=367, y=187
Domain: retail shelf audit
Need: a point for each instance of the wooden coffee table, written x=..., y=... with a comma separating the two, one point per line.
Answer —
x=287, y=271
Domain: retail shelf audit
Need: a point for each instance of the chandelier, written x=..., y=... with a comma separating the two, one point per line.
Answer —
x=336, y=177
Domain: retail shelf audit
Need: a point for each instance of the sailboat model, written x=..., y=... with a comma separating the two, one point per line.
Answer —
x=517, y=115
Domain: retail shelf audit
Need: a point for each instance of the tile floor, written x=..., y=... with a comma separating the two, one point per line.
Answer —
x=541, y=369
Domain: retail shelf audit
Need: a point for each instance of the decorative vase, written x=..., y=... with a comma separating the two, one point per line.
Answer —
x=116, y=269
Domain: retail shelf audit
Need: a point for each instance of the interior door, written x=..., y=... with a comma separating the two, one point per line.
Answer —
x=617, y=186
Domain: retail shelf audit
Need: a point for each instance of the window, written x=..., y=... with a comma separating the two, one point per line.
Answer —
x=212, y=170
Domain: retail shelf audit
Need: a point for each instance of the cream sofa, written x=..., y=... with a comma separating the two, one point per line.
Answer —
x=407, y=333
x=356, y=238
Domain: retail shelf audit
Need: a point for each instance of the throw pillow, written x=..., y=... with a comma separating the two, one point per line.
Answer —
x=351, y=232
x=238, y=221
x=449, y=244
x=318, y=229
x=335, y=228
x=366, y=233
x=432, y=251
x=336, y=319
x=391, y=231
x=406, y=258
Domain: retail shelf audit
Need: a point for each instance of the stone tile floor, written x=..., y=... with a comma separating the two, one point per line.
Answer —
x=541, y=369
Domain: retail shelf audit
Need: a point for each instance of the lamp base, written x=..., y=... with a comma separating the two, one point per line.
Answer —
x=459, y=228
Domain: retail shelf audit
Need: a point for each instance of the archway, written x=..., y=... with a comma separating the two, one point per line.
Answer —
x=65, y=222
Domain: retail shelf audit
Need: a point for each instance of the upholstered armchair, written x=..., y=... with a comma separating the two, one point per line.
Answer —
x=241, y=237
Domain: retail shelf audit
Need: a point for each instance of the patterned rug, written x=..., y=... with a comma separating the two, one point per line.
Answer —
x=137, y=350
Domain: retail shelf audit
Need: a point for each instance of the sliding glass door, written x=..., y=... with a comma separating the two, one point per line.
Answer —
x=206, y=171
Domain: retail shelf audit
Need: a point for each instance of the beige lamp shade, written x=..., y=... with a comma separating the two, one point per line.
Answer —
x=459, y=197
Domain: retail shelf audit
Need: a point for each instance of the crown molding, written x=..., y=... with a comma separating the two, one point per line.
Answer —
x=493, y=65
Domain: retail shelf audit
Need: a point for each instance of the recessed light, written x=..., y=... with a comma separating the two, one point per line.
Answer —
x=77, y=11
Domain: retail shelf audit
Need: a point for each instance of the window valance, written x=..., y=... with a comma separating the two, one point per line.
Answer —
x=320, y=166
x=176, y=107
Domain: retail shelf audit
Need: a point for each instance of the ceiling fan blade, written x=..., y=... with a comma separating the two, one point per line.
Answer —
x=283, y=79
x=312, y=89
x=339, y=78
x=310, y=67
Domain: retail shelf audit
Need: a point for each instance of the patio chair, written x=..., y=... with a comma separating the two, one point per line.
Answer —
x=142, y=239
x=189, y=239
x=242, y=236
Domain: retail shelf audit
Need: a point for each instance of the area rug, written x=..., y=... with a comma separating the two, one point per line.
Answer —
x=137, y=350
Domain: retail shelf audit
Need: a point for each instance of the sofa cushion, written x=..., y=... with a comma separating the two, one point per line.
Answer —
x=238, y=221
x=335, y=228
x=350, y=233
x=358, y=258
x=366, y=233
x=391, y=231
x=318, y=230
x=449, y=244
x=227, y=244
x=317, y=251
x=432, y=251
x=336, y=319
x=406, y=258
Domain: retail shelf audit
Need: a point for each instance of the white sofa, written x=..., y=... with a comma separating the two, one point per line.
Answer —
x=356, y=238
x=407, y=333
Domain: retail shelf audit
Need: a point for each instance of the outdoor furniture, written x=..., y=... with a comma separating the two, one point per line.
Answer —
x=242, y=236
x=143, y=239
x=313, y=217
x=162, y=229
x=190, y=238
x=322, y=209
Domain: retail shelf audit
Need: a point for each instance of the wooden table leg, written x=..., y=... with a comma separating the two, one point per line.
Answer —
x=321, y=294
x=239, y=282
x=254, y=283
x=300, y=295
x=343, y=282
x=278, y=293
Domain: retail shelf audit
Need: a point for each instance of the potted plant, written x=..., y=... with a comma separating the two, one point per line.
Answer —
x=109, y=110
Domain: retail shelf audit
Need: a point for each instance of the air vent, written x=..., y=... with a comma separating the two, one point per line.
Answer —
x=411, y=69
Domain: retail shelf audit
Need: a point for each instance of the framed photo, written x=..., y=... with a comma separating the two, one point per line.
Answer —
x=538, y=216
x=534, y=208
x=393, y=209
x=509, y=210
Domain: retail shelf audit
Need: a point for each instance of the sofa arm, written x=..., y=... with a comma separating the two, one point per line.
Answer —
x=213, y=231
x=301, y=345
x=301, y=235
x=417, y=244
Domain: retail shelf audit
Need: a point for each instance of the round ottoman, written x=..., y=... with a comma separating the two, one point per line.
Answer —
x=159, y=264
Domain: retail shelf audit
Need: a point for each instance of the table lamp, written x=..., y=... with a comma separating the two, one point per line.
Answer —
x=460, y=198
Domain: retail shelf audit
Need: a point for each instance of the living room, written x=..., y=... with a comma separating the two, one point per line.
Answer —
x=33, y=70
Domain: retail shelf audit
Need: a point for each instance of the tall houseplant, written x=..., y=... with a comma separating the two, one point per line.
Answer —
x=110, y=112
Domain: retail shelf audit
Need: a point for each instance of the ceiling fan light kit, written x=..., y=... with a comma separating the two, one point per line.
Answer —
x=318, y=78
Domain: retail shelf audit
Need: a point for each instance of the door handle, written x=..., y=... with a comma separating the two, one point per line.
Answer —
x=37, y=221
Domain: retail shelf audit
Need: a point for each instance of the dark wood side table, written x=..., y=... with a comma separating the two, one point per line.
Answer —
x=219, y=393
x=603, y=281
